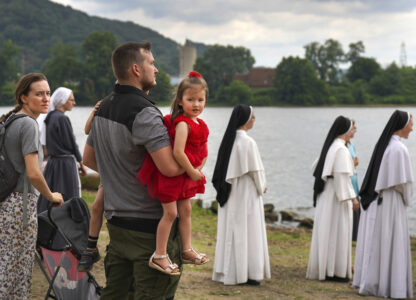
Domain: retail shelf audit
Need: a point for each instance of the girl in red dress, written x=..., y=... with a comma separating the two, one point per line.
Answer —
x=188, y=135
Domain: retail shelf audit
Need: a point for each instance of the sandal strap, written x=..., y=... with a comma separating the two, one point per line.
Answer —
x=198, y=255
x=171, y=264
x=160, y=256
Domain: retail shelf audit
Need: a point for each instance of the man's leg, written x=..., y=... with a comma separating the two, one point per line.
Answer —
x=118, y=266
x=91, y=254
x=151, y=284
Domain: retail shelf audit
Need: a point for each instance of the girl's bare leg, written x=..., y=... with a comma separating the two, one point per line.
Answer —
x=163, y=231
x=185, y=224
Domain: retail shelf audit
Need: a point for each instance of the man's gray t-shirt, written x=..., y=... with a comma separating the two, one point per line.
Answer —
x=126, y=126
x=22, y=138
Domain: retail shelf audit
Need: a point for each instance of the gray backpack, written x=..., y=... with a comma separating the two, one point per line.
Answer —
x=8, y=175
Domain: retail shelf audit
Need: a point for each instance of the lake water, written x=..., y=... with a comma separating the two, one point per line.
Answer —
x=289, y=140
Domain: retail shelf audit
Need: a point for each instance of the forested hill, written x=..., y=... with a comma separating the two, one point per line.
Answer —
x=37, y=25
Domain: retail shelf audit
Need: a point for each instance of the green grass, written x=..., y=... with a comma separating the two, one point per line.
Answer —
x=288, y=251
x=88, y=197
x=203, y=220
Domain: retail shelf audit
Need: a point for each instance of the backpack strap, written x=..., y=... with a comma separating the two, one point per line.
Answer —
x=26, y=183
x=6, y=123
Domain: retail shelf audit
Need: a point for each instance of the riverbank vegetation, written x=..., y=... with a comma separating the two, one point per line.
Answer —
x=327, y=75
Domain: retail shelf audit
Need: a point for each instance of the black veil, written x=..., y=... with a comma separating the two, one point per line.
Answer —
x=340, y=126
x=398, y=120
x=240, y=115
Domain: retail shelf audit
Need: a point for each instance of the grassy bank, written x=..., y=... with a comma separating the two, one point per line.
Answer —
x=289, y=251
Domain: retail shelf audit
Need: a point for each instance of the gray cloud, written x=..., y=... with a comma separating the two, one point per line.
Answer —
x=272, y=28
x=220, y=12
x=383, y=5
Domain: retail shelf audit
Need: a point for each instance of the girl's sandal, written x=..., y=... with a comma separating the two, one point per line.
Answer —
x=200, y=258
x=172, y=269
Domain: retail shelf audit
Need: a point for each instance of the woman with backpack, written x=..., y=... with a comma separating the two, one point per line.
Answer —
x=18, y=217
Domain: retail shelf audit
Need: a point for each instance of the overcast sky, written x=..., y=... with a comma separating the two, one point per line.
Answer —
x=273, y=29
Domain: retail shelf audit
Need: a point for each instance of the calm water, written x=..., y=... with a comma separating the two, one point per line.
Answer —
x=289, y=140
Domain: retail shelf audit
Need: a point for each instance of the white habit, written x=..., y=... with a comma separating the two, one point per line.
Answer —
x=383, y=263
x=241, y=252
x=330, y=253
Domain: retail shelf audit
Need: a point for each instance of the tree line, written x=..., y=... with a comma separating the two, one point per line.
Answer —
x=86, y=71
x=327, y=75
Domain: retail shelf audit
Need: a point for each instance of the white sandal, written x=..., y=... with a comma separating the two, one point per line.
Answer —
x=198, y=260
x=169, y=269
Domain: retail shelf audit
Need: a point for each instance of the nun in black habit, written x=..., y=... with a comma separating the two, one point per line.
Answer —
x=241, y=254
x=334, y=198
x=383, y=263
x=61, y=172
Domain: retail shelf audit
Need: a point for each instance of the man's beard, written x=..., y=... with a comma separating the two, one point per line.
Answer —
x=148, y=85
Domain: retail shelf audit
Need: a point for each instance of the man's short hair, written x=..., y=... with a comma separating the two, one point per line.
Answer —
x=127, y=54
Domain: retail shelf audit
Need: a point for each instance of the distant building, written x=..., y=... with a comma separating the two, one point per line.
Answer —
x=257, y=77
x=187, y=58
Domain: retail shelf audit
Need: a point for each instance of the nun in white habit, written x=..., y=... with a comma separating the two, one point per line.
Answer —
x=241, y=254
x=334, y=197
x=383, y=263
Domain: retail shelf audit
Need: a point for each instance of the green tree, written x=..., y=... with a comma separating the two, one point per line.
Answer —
x=262, y=97
x=325, y=59
x=386, y=82
x=236, y=92
x=355, y=51
x=296, y=83
x=163, y=90
x=359, y=91
x=63, y=68
x=341, y=94
x=9, y=52
x=408, y=83
x=219, y=64
x=363, y=68
x=7, y=94
x=96, y=51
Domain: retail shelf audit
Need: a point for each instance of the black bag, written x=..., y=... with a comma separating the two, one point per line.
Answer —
x=8, y=175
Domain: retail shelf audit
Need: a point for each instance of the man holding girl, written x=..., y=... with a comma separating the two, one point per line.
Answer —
x=126, y=127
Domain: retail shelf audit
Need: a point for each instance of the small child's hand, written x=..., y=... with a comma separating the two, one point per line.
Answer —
x=97, y=106
x=356, y=161
x=92, y=114
x=196, y=175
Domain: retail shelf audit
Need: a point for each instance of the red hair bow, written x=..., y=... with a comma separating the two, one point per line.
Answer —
x=194, y=74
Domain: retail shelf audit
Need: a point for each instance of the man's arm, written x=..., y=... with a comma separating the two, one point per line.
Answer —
x=164, y=161
x=89, y=158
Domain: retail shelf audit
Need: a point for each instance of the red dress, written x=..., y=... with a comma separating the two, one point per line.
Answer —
x=170, y=189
